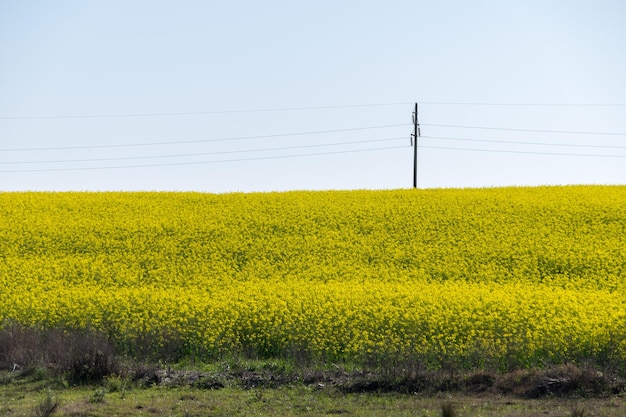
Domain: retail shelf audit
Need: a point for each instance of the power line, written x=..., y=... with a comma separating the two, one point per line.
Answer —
x=451, y=103
x=302, y=108
x=318, y=132
x=201, y=162
x=571, y=132
x=523, y=152
x=200, y=153
x=198, y=113
x=333, y=144
x=525, y=143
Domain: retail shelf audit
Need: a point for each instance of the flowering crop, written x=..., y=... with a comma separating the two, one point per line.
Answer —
x=522, y=275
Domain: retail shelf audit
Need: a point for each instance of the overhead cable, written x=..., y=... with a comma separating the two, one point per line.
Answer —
x=571, y=132
x=451, y=103
x=199, y=153
x=197, y=113
x=127, y=145
x=301, y=108
x=201, y=162
x=524, y=143
x=522, y=152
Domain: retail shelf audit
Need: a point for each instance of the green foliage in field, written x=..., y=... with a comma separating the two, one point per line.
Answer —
x=478, y=277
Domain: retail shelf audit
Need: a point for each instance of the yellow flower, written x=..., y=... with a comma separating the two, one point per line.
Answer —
x=521, y=274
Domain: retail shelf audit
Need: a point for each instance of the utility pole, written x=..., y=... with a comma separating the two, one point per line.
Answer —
x=416, y=134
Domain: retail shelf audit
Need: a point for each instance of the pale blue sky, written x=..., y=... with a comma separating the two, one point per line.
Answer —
x=177, y=78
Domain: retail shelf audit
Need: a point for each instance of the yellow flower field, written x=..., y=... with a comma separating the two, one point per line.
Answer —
x=473, y=277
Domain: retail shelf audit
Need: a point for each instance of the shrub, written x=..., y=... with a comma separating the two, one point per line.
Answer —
x=90, y=358
x=82, y=355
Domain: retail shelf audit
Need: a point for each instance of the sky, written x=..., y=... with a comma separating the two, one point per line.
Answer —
x=247, y=96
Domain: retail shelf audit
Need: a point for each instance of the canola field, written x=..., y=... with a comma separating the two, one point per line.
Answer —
x=501, y=277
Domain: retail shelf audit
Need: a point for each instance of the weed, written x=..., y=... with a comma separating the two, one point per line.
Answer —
x=48, y=406
x=98, y=396
x=40, y=374
x=116, y=383
x=448, y=410
x=580, y=412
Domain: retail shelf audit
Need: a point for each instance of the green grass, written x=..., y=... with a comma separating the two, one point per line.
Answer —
x=21, y=396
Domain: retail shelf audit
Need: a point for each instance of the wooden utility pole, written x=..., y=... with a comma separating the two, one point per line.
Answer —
x=414, y=136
